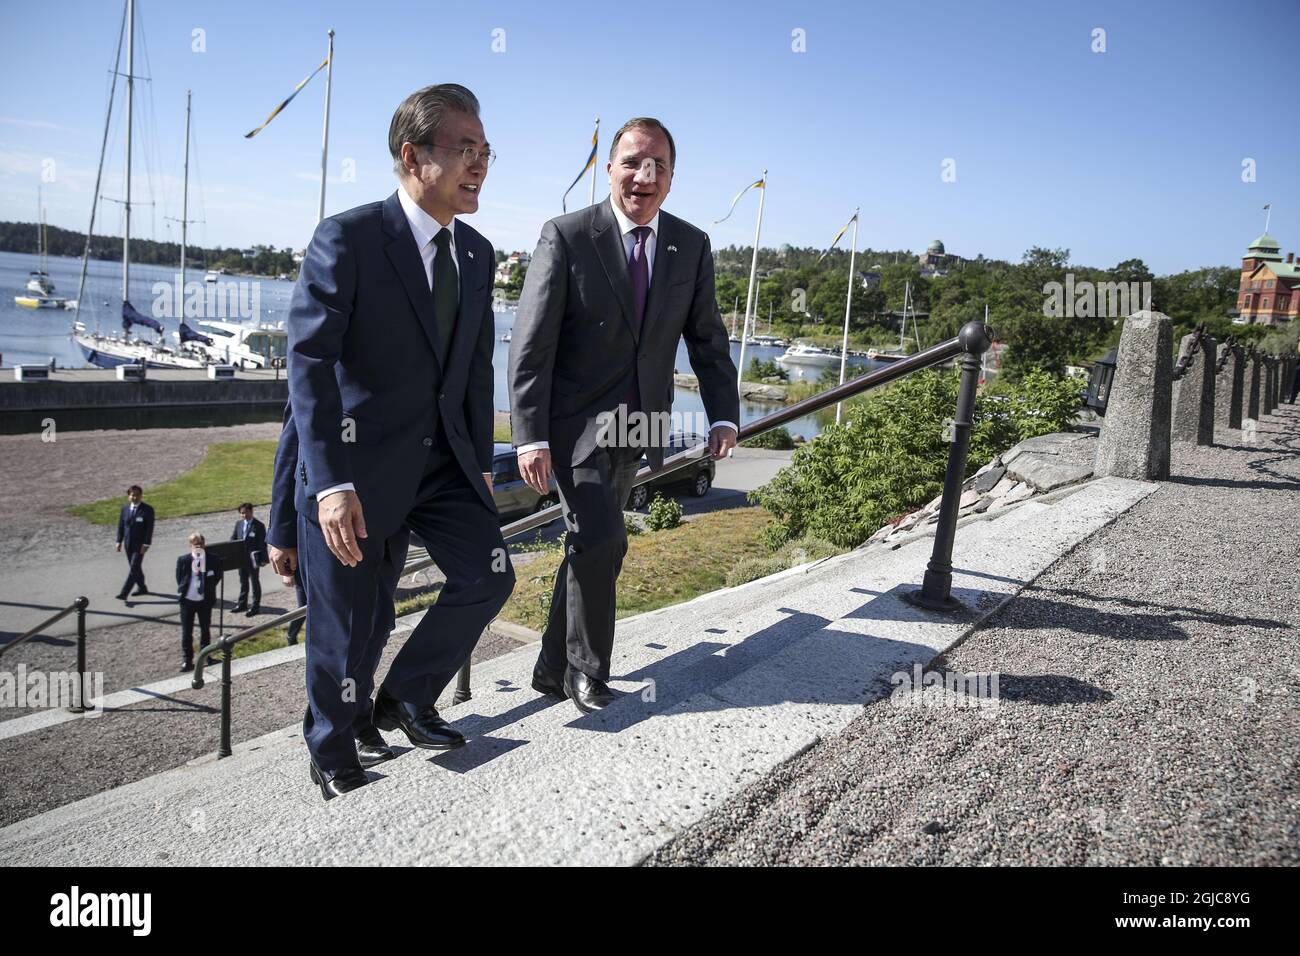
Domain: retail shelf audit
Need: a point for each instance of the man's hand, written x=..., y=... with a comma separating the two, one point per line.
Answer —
x=143, y=549
x=119, y=546
x=487, y=480
x=284, y=561
x=722, y=440
x=342, y=522
x=535, y=467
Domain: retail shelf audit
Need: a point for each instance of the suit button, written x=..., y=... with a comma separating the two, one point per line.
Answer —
x=441, y=396
x=428, y=442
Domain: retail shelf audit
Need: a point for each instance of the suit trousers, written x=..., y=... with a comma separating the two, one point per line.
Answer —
x=580, y=628
x=135, y=572
x=463, y=536
x=250, y=574
x=300, y=595
x=189, y=611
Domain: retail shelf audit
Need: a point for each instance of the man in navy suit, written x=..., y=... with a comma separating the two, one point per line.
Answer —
x=253, y=533
x=390, y=380
x=283, y=540
x=134, y=534
x=197, y=576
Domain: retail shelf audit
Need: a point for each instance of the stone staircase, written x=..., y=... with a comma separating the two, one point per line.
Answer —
x=717, y=692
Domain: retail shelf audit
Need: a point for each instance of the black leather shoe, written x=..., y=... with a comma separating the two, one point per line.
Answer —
x=238, y=607
x=422, y=725
x=122, y=597
x=544, y=682
x=140, y=591
x=372, y=749
x=254, y=611
x=186, y=666
x=586, y=692
x=344, y=781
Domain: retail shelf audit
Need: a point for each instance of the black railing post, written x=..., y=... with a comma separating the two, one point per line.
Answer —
x=462, y=686
x=224, y=749
x=81, y=604
x=936, y=590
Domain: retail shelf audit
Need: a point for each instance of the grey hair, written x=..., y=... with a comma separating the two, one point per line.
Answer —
x=420, y=115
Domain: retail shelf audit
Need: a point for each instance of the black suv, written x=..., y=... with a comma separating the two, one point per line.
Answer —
x=697, y=478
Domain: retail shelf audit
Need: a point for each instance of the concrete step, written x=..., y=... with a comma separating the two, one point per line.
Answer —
x=717, y=692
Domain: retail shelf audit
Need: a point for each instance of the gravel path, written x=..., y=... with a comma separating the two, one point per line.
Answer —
x=1147, y=715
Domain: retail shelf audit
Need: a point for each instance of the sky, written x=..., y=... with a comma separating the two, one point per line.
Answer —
x=1163, y=146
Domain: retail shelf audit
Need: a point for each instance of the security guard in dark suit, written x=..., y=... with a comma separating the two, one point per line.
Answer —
x=197, y=576
x=134, y=534
x=253, y=533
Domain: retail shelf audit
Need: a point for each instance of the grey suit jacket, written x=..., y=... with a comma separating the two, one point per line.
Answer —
x=573, y=349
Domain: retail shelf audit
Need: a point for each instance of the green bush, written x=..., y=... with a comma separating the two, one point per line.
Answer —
x=663, y=513
x=890, y=454
x=778, y=438
x=789, y=555
x=759, y=370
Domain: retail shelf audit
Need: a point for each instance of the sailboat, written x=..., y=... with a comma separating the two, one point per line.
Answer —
x=39, y=292
x=110, y=351
x=894, y=354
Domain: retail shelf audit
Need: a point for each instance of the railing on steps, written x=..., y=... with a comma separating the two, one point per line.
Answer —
x=77, y=607
x=935, y=592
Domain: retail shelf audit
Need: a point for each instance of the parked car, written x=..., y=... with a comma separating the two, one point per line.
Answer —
x=697, y=478
x=513, y=497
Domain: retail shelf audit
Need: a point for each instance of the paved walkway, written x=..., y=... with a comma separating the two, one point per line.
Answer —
x=1149, y=711
x=716, y=692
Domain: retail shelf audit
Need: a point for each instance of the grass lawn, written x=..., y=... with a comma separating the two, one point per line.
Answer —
x=230, y=473
x=661, y=567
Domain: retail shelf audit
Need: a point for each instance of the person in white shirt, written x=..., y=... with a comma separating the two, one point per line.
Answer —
x=197, y=576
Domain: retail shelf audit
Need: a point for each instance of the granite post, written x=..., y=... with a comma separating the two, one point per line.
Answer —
x=1254, y=366
x=1228, y=387
x=1193, y=414
x=1135, y=437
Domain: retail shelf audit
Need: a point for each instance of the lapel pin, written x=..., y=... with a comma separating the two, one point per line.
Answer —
x=672, y=248
x=469, y=253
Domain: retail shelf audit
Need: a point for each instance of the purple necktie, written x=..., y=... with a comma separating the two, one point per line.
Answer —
x=639, y=266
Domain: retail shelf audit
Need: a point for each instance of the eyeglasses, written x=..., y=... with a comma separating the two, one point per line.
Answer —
x=469, y=154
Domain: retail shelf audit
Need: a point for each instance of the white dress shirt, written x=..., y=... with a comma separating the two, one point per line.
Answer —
x=423, y=227
x=197, y=567
x=626, y=226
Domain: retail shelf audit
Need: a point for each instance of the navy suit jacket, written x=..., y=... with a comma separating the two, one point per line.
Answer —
x=212, y=576
x=369, y=385
x=133, y=534
x=255, y=539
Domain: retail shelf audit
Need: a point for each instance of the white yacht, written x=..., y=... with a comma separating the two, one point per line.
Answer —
x=243, y=345
x=800, y=354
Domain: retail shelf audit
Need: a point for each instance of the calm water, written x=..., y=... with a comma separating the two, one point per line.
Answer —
x=35, y=336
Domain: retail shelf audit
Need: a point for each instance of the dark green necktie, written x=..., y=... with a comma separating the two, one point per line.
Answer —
x=446, y=293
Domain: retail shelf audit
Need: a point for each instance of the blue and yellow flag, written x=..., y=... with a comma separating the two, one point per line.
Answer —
x=591, y=162
x=761, y=184
x=838, y=236
x=296, y=90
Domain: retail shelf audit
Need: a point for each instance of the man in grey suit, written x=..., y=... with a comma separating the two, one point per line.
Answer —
x=610, y=292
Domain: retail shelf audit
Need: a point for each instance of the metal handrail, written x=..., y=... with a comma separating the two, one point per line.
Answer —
x=973, y=340
x=79, y=607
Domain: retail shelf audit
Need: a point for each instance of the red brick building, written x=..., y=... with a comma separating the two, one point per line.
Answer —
x=1270, y=288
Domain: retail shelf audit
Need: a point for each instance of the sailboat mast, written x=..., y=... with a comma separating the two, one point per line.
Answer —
x=185, y=195
x=325, y=135
x=130, y=95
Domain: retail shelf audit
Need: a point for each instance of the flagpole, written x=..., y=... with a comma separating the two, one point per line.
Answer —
x=753, y=271
x=1268, y=214
x=325, y=136
x=595, y=159
x=848, y=308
